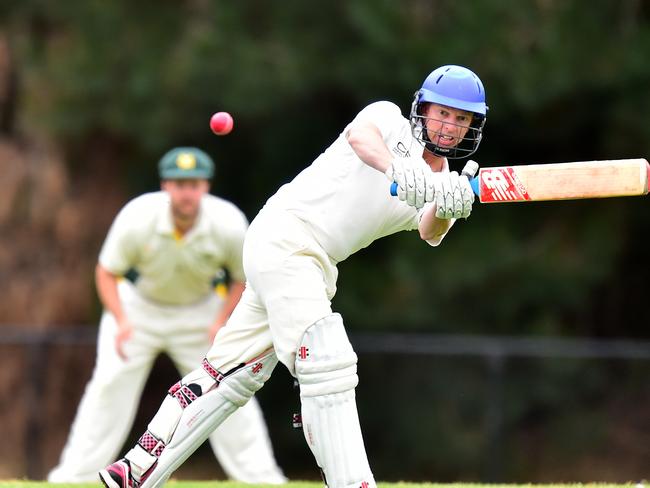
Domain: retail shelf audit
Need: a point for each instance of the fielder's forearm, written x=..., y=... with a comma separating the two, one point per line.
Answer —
x=368, y=144
x=106, y=283
x=235, y=290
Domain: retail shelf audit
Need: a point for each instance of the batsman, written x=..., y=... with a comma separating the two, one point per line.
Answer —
x=336, y=206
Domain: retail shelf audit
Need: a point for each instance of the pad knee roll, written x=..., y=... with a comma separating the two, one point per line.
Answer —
x=326, y=368
x=325, y=360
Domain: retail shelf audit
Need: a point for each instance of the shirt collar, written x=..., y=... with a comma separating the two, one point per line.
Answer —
x=165, y=222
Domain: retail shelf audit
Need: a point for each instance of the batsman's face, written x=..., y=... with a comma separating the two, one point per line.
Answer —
x=185, y=196
x=446, y=126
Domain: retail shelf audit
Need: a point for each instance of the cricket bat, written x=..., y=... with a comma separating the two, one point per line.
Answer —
x=561, y=181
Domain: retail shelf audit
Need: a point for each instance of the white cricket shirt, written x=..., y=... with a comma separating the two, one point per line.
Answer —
x=171, y=269
x=346, y=203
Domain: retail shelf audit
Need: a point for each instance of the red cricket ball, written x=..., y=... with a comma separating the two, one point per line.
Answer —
x=221, y=123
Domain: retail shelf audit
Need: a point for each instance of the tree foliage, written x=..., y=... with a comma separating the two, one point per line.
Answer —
x=564, y=82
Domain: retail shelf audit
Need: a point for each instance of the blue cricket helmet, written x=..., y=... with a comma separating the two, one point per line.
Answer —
x=457, y=87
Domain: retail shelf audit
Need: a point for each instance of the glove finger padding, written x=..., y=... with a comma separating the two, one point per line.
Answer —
x=414, y=180
x=468, y=197
x=430, y=187
x=420, y=188
x=457, y=195
x=442, y=192
x=455, y=199
x=454, y=196
x=409, y=172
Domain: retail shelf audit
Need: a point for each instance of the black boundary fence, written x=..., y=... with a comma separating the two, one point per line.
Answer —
x=494, y=350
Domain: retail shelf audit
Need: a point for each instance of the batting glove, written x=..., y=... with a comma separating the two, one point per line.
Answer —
x=415, y=180
x=453, y=196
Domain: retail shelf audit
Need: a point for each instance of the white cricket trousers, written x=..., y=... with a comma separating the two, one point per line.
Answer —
x=108, y=407
x=290, y=283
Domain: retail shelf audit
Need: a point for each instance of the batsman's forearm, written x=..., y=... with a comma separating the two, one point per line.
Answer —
x=106, y=283
x=431, y=228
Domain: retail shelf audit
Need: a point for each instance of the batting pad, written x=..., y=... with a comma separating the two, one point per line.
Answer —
x=326, y=367
x=201, y=417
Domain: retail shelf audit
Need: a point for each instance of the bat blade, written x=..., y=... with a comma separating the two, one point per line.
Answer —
x=562, y=181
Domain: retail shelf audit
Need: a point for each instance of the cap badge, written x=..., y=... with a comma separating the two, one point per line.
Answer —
x=186, y=161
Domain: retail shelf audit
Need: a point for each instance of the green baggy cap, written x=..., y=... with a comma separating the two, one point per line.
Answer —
x=185, y=163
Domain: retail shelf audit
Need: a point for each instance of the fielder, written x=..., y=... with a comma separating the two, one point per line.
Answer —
x=176, y=240
x=336, y=206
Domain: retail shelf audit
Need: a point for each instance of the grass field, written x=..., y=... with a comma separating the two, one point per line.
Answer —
x=298, y=484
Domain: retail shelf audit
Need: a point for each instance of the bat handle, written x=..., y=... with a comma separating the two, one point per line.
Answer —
x=470, y=169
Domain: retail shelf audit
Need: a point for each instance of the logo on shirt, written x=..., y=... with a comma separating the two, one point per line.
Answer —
x=401, y=151
x=186, y=161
